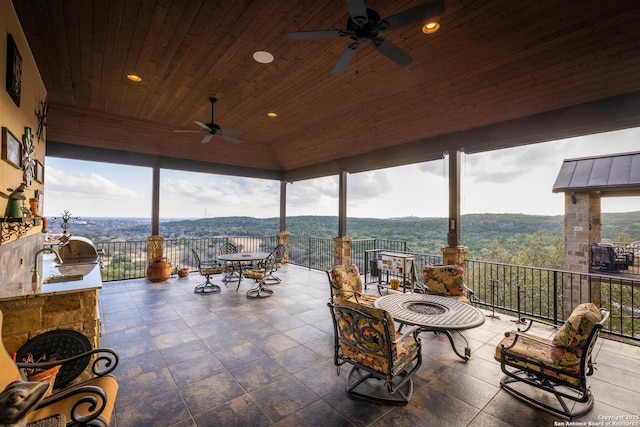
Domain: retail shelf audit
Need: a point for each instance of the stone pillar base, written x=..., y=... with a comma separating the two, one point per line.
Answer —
x=341, y=250
x=155, y=247
x=454, y=255
x=283, y=239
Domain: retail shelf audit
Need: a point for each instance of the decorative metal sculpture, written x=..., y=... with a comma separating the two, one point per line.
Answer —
x=66, y=216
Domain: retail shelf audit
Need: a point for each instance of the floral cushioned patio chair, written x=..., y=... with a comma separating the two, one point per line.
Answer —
x=559, y=366
x=84, y=403
x=382, y=359
x=446, y=281
x=346, y=283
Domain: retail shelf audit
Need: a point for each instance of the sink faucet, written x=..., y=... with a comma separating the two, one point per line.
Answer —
x=35, y=277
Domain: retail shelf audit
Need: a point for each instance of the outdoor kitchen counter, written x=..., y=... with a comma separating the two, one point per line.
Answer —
x=60, y=305
x=91, y=280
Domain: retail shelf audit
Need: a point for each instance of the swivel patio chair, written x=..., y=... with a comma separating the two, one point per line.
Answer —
x=207, y=269
x=260, y=275
x=448, y=281
x=231, y=274
x=383, y=360
x=558, y=366
x=278, y=254
x=88, y=402
x=346, y=283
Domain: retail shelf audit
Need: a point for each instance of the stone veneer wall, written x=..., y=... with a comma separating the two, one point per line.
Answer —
x=26, y=317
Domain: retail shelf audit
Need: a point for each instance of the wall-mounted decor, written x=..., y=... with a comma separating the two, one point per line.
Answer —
x=28, y=162
x=39, y=172
x=14, y=70
x=11, y=149
x=41, y=114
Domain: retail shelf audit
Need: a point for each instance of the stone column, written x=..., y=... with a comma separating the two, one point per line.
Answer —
x=283, y=239
x=582, y=228
x=341, y=250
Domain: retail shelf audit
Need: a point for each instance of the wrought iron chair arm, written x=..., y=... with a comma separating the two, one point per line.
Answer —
x=89, y=403
x=107, y=356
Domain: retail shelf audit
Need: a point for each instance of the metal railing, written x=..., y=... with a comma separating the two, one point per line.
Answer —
x=128, y=260
x=503, y=288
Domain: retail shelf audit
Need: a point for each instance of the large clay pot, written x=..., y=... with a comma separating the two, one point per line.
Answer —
x=159, y=269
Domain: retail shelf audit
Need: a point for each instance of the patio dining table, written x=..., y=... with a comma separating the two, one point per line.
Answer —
x=433, y=313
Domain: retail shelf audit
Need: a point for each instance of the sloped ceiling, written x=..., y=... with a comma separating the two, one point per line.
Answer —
x=498, y=73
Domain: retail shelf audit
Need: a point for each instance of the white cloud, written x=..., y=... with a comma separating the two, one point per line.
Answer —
x=512, y=180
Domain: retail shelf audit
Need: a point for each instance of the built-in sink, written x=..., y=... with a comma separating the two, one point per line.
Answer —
x=63, y=278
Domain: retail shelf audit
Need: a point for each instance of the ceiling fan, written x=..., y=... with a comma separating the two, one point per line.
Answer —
x=365, y=25
x=212, y=129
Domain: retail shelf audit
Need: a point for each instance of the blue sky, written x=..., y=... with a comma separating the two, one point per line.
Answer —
x=515, y=180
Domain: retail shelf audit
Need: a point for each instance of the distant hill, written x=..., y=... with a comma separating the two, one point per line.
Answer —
x=424, y=234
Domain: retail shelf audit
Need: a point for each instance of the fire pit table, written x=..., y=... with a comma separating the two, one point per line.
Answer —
x=433, y=313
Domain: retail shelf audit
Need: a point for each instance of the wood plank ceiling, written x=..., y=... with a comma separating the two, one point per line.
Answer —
x=498, y=73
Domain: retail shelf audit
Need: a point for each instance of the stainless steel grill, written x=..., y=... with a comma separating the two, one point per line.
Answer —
x=79, y=250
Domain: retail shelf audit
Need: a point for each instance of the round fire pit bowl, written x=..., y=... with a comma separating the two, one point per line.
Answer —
x=428, y=308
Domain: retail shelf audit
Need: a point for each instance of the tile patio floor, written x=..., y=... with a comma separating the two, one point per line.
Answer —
x=226, y=360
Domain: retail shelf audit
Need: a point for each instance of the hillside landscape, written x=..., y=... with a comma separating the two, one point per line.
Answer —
x=479, y=231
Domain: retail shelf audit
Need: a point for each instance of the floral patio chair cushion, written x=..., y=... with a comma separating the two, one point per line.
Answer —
x=558, y=357
x=576, y=329
x=445, y=280
x=346, y=283
x=370, y=347
x=541, y=355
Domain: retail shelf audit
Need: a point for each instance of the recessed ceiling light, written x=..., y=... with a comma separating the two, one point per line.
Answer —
x=134, y=78
x=430, y=27
x=263, y=57
x=272, y=114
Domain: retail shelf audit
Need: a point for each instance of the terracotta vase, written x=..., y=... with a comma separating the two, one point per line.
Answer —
x=183, y=272
x=159, y=269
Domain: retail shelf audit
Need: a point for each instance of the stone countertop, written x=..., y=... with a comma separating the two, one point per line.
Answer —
x=92, y=279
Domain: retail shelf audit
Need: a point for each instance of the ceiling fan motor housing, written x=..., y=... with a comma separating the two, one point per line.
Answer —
x=367, y=30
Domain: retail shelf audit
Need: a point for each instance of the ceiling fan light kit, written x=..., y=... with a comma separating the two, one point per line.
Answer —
x=365, y=25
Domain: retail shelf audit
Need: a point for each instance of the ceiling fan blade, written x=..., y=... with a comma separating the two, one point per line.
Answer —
x=202, y=125
x=358, y=12
x=345, y=58
x=416, y=14
x=230, y=138
x=321, y=34
x=207, y=138
x=392, y=51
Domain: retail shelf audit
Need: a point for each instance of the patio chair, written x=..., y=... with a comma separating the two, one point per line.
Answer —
x=260, y=275
x=346, y=283
x=88, y=402
x=278, y=253
x=383, y=360
x=446, y=281
x=207, y=269
x=559, y=366
x=231, y=274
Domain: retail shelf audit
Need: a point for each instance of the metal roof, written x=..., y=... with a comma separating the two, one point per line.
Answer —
x=613, y=175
